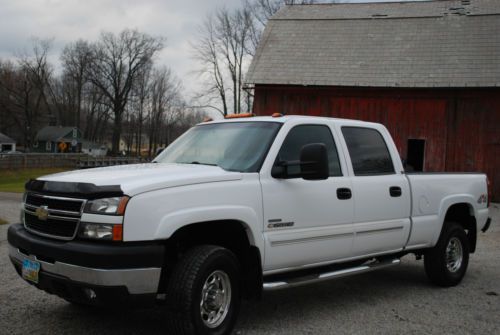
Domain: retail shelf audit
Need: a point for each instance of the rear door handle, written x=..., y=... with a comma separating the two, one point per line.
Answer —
x=395, y=191
x=344, y=193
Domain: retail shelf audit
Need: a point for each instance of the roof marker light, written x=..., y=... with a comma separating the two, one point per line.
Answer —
x=239, y=116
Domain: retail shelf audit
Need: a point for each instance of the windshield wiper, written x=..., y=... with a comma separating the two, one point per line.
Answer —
x=199, y=163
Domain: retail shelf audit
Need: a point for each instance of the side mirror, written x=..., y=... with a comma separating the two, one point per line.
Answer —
x=314, y=162
x=279, y=170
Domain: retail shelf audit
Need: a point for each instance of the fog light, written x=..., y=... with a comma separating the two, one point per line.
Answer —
x=96, y=231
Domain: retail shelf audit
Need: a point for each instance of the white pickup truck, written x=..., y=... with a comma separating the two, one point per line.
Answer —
x=235, y=207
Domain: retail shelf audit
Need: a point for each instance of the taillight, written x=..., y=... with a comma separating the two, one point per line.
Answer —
x=488, y=186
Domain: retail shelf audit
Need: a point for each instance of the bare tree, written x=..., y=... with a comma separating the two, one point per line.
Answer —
x=104, y=87
x=206, y=51
x=17, y=100
x=173, y=114
x=141, y=94
x=97, y=114
x=117, y=62
x=37, y=66
x=222, y=51
x=226, y=42
x=165, y=106
x=76, y=59
x=25, y=89
x=234, y=34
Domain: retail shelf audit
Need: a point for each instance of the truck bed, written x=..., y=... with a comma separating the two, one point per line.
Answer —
x=431, y=193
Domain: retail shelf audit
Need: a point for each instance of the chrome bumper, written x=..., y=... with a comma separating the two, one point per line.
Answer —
x=137, y=281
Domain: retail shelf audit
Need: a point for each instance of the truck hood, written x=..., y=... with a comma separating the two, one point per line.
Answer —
x=138, y=178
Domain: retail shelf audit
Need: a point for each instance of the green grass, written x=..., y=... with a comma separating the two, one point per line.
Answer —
x=2, y=221
x=14, y=180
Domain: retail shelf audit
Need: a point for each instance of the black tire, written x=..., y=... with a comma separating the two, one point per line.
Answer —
x=440, y=271
x=186, y=285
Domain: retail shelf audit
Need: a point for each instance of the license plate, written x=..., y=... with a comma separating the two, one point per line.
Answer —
x=30, y=270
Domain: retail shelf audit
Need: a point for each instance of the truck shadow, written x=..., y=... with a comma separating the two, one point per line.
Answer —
x=296, y=305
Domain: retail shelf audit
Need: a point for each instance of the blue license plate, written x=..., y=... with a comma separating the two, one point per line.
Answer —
x=30, y=270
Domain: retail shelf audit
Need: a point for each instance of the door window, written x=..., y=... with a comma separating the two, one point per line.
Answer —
x=368, y=151
x=309, y=134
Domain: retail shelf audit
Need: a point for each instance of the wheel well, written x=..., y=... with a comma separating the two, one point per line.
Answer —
x=463, y=214
x=230, y=234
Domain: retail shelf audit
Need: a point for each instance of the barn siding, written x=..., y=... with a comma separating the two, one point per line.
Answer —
x=461, y=126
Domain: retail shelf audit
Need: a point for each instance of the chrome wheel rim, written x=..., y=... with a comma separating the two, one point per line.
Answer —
x=454, y=254
x=215, y=299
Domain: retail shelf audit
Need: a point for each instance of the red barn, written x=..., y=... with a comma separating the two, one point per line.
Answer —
x=429, y=71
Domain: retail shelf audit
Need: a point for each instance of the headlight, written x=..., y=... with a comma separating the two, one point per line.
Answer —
x=101, y=231
x=109, y=206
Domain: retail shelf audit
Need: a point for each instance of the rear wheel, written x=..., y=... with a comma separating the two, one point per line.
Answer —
x=447, y=262
x=203, y=293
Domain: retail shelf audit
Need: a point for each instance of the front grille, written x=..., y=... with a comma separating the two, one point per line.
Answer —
x=52, y=216
x=52, y=227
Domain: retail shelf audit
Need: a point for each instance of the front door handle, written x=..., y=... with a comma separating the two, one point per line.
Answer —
x=395, y=191
x=344, y=193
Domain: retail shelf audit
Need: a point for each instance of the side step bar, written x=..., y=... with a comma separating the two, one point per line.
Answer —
x=320, y=277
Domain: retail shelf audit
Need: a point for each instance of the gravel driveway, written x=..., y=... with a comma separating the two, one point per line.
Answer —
x=9, y=210
x=397, y=300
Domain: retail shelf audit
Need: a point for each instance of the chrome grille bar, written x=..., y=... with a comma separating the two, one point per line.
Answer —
x=53, y=224
x=33, y=209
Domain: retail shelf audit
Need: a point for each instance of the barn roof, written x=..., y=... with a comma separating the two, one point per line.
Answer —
x=448, y=43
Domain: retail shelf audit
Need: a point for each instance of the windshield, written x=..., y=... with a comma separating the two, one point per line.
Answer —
x=234, y=146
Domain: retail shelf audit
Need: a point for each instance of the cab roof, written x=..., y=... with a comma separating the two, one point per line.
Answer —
x=284, y=119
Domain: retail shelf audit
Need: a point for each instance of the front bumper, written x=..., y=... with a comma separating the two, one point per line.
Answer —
x=86, y=272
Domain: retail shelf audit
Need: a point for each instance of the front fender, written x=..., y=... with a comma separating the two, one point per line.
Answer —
x=170, y=223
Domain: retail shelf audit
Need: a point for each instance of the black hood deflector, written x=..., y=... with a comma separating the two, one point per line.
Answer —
x=75, y=190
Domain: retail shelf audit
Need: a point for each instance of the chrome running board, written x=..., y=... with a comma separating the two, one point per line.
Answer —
x=320, y=277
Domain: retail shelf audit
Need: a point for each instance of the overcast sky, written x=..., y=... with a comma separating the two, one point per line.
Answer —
x=69, y=20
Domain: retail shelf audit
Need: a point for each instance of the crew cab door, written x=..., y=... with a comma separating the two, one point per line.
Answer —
x=305, y=221
x=381, y=193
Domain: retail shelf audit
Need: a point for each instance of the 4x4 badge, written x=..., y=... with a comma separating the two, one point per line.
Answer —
x=42, y=213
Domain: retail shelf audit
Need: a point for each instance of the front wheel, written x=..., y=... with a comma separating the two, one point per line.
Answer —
x=203, y=293
x=447, y=262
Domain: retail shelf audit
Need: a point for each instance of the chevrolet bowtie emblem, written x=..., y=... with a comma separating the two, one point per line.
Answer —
x=42, y=213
